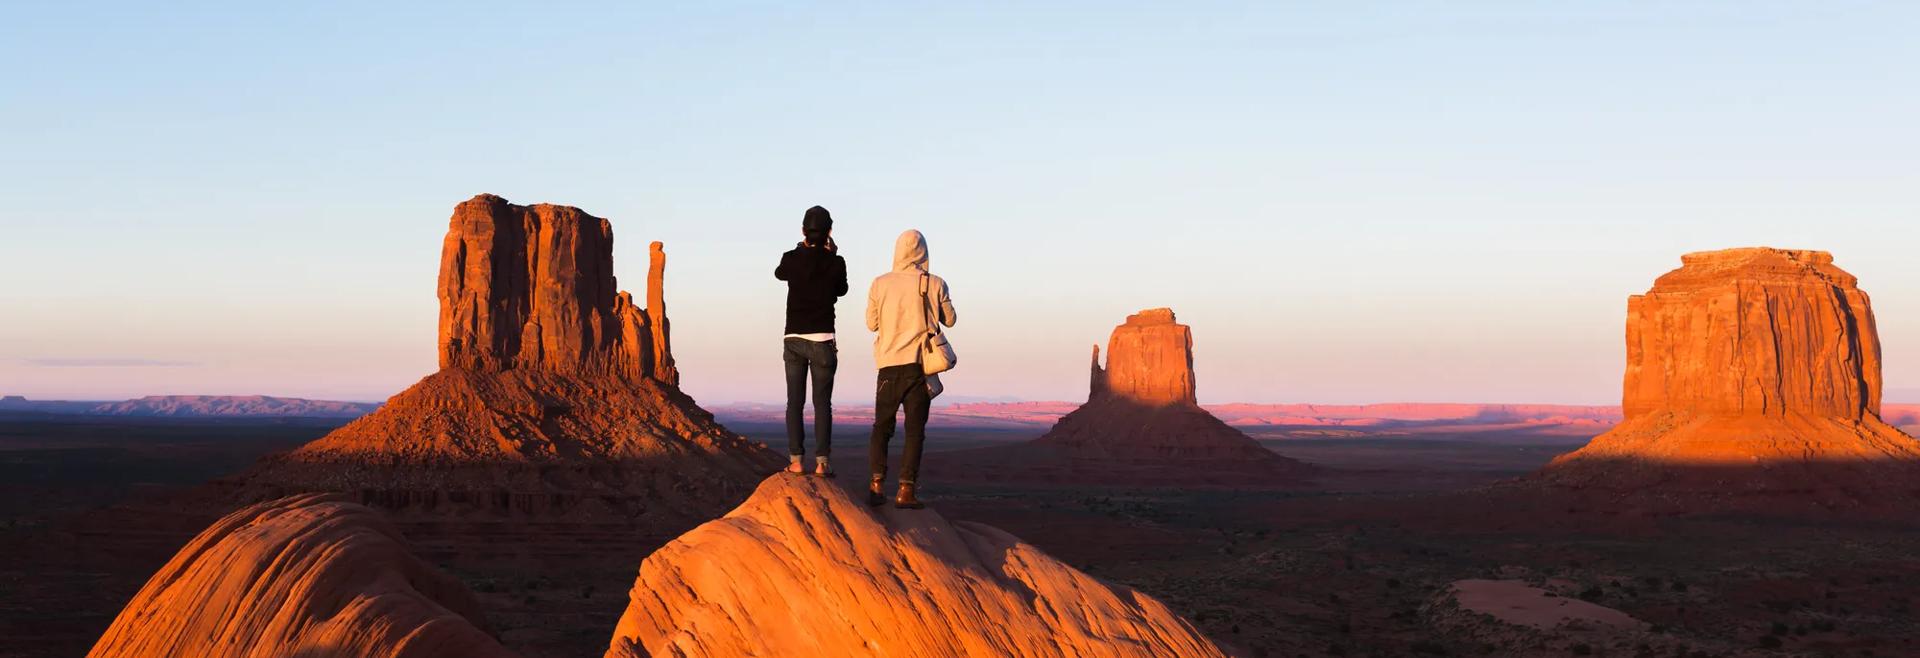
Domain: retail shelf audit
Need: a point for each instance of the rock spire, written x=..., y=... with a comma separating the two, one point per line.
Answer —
x=533, y=287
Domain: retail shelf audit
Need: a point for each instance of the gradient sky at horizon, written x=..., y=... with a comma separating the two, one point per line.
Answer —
x=1406, y=201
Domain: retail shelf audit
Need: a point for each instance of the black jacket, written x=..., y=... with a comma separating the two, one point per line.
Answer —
x=815, y=278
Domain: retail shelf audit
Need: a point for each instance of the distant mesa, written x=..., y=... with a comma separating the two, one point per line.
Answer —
x=308, y=575
x=1141, y=425
x=233, y=406
x=803, y=569
x=557, y=397
x=194, y=406
x=1750, y=372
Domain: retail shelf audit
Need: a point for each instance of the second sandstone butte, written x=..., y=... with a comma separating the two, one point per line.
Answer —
x=1750, y=371
x=1142, y=425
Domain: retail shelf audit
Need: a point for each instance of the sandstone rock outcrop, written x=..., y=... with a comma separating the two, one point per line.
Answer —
x=1149, y=361
x=532, y=287
x=307, y=576
x=1750, y=371
x=1141, y=425
x=557, y=401
x=803, y=569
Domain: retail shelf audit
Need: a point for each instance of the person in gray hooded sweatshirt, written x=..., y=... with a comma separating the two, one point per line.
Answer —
x=898, y=307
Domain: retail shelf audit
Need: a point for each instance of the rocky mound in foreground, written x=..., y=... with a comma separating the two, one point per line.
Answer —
x=557, y=397
x=1753, y=381
x=303, y=577
x=1142, y=425
x=804, y=569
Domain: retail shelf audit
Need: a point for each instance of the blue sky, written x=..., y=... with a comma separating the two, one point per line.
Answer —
x=1349, y=202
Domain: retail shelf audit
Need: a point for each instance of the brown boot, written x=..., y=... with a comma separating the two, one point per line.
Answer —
x=875, y=494
x=905, y=499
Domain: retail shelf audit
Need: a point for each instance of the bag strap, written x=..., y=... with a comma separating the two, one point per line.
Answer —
x=926, y=304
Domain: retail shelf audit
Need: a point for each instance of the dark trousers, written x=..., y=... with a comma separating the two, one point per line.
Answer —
x=820, y=359
x=900, y=386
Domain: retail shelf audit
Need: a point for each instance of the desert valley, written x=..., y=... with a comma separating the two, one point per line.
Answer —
x=551, y=491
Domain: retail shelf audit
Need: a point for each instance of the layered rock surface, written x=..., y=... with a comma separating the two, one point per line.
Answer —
x=307, y=576
x=557, y=400
x=533, y=287
x=1141, y=425
x=1751, y=371
x=803, y=569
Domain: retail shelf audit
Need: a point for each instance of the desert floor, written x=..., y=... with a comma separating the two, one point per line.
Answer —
x=1360, y=562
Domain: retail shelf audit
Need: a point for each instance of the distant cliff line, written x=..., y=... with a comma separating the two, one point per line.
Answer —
x=1010, y=415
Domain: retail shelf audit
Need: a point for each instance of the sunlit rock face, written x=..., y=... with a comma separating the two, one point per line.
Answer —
x=1751, y=370
x=803, y=569
x=557, y=400
x=308, y=577
x=1753, y=332
x=1141, y=425
x=1149, y=361
x=533, y=287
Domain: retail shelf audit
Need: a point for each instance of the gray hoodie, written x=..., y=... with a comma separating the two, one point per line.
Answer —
x=894, y=309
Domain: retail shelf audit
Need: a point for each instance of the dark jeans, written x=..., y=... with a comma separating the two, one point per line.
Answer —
x=900, y=386
x=803, y=356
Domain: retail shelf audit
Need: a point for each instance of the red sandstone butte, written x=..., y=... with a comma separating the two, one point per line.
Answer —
x=1750, y=371
x=533, y=287
x=803, y=569
x=557, y=397
x=1141, y=425
x=1149, y=361
x=307, y=575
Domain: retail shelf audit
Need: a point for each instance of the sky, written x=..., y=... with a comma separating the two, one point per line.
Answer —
x=1348, y=202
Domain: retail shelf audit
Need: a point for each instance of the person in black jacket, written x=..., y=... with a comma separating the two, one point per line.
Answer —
x=816, y=277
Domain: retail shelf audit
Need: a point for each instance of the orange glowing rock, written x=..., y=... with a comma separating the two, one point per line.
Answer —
x=1751, y=370
x=533, y=287
x=1149, y=361
x=1141, y=425
x=300, y=576
x=803, y=569
x=556, y=397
